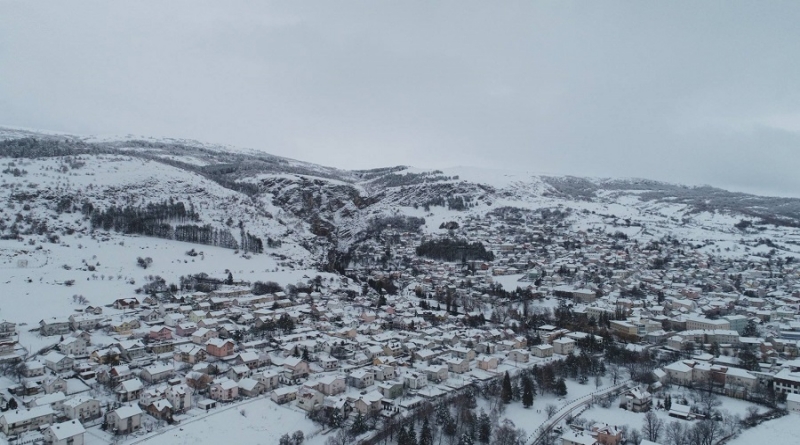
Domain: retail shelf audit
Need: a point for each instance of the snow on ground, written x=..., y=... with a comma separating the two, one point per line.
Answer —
x=785, y=430
x=263, y=423
x=38, y=290
x=529, y=419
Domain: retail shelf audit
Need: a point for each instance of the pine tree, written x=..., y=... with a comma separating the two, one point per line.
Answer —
x=426, y=435
x=561, y=387
x=412, y=435
x=359, y=425
x=402, y=436
x=484, y=427
x=527, y=391
x=506, y=393
x=465, y=439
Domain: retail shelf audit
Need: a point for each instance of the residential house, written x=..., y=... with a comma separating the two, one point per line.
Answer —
x=309, y=399
x=157, y=373
x=58, y=362
x=84, y=322
x=190, y=353
x=21, y=420
x=54, y=326
x=331, y=385
x=129, y=390
x=66, y=433
x=82, y=408
x=361, y=378
x=518, y=356
x=457, y=365
x=542, y=351
x=487, y=363
x=284, y=394
x=369, y=403
x=203, y=335
x=160, y=333
x=51, y=385
x=250, y=388
x=270, y=379
x=132, y=350
x=239, y=372
x=160, y=409
x=607, y=434
x=126, y=303
x=180, y=396
x=7, y=329
x=295, y=367
x=224, y=390
x=74, y=346
x=124, y=420
x=638, y=400
x=563, y=346
x=219, y=348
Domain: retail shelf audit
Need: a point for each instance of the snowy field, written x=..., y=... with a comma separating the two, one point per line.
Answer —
x=783, y=431
x=263, y=423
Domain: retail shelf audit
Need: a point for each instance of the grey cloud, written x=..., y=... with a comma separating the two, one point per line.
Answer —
x=679, y=91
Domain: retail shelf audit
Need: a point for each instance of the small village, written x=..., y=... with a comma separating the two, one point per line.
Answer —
x=401, y=332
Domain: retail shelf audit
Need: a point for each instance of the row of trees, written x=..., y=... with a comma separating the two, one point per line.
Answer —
x=155, y=220
x=448, y=249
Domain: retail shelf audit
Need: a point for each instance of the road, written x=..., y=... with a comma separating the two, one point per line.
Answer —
x=570, y=407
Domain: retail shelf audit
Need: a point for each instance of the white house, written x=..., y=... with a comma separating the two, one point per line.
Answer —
x=125, y=419
x=66, y=433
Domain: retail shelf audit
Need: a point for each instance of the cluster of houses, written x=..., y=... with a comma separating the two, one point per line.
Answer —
x=161, y=360
x=164, y=358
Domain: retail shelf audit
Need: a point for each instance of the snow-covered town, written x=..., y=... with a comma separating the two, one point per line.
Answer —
x=533, y=332
x=399, y=222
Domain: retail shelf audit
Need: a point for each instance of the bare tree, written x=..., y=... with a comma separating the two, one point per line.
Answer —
x=675, y=433
x=708, y=401
x=550, y=410
x=705, y=432
x=653, y=426
x=614, y=372
x=635, y=437
x=342, y=437
x=507, y=434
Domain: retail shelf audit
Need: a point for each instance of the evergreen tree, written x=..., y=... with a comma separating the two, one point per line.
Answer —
x=465, y=439
x=751, y=330
x=561, y=387
x=484, y=427
x=229, y=281
x=412, y=435
x=426, y=435
x=506, y=393
x=527, y=391
x=359, y=425
x=402, y=436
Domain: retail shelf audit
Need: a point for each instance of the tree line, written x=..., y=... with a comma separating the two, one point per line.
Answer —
x=448, y=249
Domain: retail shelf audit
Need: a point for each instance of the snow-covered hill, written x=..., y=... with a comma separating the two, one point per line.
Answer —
x=82, y=210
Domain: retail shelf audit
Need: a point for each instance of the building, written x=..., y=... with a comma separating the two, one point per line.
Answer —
x=571, y=437
x=66, y=433
x=124, y=420
x=542, y=351
x=218, y=347
x=693, y=323
x=563, y=346
x=54, y=326
x=82, y=409
x=793, y=402
x=21, y=420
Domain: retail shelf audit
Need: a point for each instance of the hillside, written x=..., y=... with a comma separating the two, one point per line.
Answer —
x=72, y=203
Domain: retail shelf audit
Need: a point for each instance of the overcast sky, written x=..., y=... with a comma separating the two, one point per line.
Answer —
x=692, y=92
